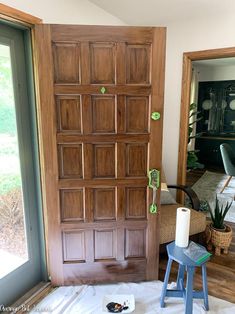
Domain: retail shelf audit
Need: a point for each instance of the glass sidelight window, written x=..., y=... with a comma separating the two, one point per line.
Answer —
x=21, y=237
x=13, y=239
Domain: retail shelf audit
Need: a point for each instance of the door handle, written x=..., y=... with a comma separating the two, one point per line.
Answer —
x=154, y=182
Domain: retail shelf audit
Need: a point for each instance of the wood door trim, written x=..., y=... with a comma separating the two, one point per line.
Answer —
x=15, y=15
x=48, y=148
x=188, y=57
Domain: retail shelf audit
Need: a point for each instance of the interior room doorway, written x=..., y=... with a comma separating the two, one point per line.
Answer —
x=207, y=117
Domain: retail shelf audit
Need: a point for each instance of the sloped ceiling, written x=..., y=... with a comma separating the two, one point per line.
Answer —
x=163, y=12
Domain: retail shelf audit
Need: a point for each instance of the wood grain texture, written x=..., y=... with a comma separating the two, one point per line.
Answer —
x=48, y=151
x=12, y=14
x=72, y=205
x=155, y=154
x=137, y=35
x=188, y=57
x=105, y=146
x=141, y=90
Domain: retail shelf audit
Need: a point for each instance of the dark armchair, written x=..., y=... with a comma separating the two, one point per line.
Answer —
x=228, y=158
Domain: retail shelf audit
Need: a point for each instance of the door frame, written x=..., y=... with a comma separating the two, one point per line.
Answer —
x=188, y=57
x=26, y=22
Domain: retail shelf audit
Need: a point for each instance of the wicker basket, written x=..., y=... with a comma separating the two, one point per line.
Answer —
x=221, y=239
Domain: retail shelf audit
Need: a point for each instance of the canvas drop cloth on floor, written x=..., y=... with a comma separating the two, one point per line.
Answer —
x=88, y=300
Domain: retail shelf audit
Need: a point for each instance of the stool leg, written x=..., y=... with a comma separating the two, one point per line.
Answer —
x=166, y=279
x=189, y=291
x=205, y=288
x=180, y=277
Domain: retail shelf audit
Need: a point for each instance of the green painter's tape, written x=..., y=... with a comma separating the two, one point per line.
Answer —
x=155, y=116
x=103, y=90
x=153, y=208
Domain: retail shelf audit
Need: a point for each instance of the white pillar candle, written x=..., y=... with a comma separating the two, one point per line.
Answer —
x=182, y=227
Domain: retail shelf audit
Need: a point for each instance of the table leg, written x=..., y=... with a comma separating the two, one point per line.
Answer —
x=189, y=291
x=166, y=279
x=205, y=288
x=180, y=277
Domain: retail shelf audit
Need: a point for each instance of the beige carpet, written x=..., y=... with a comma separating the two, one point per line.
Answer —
x=211, y=184
x=88, y=300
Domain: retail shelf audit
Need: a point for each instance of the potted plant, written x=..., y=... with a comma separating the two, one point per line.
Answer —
x=192, y=159
x=218, y=234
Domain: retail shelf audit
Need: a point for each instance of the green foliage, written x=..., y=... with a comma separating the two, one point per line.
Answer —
x=204, y=206
x=9, y=182
x=192, y=159
x=7, y=120
x=7, y=110
x=219, y=213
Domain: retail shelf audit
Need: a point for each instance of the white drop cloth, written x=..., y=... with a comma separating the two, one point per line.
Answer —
x=88, y=300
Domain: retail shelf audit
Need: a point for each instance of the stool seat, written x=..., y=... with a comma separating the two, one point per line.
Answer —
x=185, y=265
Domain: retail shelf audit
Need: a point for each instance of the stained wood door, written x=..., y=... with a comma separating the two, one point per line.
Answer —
x=98, y=87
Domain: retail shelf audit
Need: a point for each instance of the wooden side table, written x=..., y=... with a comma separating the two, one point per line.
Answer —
x=185, y=265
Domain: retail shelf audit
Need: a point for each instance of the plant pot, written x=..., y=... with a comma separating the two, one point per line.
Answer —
x=220, y=239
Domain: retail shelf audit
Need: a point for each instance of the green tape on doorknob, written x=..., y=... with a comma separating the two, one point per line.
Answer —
x=153, y=208
x=155, y=116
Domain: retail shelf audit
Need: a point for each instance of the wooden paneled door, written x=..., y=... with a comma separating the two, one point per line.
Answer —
x=97, y=88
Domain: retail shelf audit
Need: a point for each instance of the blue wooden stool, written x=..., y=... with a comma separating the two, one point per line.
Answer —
x=185, y=264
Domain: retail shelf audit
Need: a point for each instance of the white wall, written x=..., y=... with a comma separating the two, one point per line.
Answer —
x=183, y=36
x=65, y=11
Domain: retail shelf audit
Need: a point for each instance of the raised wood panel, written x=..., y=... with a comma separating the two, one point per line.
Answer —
x=104, y=160
x=71, y=205
x=66, y=56
x=74, y=246
x=104, y=204
x=70, y=158
x=135, y=245
x=105, y=244
x=136, y=160
x=103, y=114
x=69, y=113
x=136, y=203
x=138, y=64
x=137, y=114
x=102, y=63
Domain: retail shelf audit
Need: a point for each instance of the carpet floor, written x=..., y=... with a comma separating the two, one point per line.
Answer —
x=211, y=184
x=88, y=300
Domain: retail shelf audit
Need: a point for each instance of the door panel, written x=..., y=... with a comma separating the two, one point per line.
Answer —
x=101, y=92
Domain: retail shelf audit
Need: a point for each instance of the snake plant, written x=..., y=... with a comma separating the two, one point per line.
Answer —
x=219, y=213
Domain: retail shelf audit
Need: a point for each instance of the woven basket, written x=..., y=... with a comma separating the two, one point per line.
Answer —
x=221, y=238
